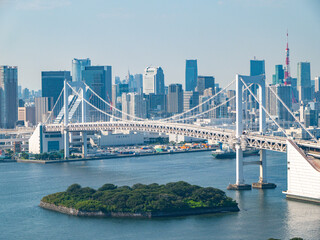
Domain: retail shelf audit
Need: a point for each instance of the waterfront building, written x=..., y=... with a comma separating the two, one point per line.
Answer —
x=191, y=75
x=190, y=100
x=78, y=66
x=52, y=83
x=43, y=106
x=134, y=104
x=204, y=82
x=278, y=77
x=304, y=81
x=153, y=80
x=175, y=99
x=99, y=79
x=8, y=96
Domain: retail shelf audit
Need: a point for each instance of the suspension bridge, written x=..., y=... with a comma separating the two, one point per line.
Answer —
x=81, y=110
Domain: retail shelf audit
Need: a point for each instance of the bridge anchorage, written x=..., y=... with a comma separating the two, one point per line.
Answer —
x=81, y=110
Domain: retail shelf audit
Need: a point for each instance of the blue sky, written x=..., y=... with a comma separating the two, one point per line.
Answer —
x=223, y=35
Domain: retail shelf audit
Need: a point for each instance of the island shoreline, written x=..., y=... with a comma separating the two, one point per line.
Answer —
x=79, y=213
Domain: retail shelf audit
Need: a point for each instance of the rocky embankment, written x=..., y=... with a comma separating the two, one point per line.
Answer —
x=75, y=212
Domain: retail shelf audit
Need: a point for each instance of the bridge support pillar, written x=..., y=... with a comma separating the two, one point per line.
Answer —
x=66, y=116
x=83, y=119
x=85, y=144
x=263, y=184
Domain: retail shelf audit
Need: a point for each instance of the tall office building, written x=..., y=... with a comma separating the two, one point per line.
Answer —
x=274, y=106
x=52, y=83
x=153, y=80
x=304, y=81
x=175, y=99
x=99, y=79
x=257, y=67
x=134, y=104
x=205, y=82
x=190, y=100
x=138, y=79
x=317, y=84
x=43, y=106
x=191, y=75
x=27, y=115
x=278, y=77
x=8, y=96
x=78, y=66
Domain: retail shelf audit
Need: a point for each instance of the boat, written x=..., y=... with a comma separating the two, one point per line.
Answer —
x=225, y=154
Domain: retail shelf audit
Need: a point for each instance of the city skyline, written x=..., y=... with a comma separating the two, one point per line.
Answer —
x=39, y=36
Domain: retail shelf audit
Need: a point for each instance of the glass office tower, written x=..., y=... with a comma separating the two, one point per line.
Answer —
x=191, y=75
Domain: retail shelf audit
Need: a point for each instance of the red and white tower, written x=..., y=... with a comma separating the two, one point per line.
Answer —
x=287, y=75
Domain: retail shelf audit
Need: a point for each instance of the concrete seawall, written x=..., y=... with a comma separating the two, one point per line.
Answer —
x=111, y=156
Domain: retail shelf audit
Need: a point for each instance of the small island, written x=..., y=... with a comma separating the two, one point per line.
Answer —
x=147, y=201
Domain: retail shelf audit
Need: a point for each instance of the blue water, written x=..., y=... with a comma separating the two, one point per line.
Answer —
x=264, y=213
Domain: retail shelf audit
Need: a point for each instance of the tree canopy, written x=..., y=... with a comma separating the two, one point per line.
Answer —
x=169, y=197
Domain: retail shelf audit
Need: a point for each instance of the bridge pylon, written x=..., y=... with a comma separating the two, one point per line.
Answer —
x=65, y=121
x=240, y=182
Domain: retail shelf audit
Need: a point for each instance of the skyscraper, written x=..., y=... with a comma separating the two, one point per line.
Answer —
x=153, y=80
x=304, y=81
x=278, y=77
x=8, y=96
x=52, y=83
x=138, y=78
x=134, y=104
x=191, y=75
x=317, y=84
x=99, y=79
x=257, y=67
x=78, y=66
x=205, y=82
x=175, y=99
x=190, y=100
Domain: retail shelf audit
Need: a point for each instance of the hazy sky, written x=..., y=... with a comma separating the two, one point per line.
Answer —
x=39, y=35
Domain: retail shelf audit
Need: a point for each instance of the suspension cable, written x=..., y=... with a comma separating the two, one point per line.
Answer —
x=302, y=125
x=264, y=109
x=178, y=115
x=54, y=106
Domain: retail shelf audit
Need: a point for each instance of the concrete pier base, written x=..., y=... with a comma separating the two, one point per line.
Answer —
x=239, y=187
x=264, y=185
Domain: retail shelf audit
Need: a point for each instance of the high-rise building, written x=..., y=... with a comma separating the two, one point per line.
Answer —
x=205, y=82
x=304, y=81
x=190, y=100
x=175, y=99
x=8, y=96
x=274, y=106
x=191, y=75
x=138, y=79
x=78, y=66
x=317, y=84
x=99, y=79
x=156, y=105
x=153, y=80
x=43, y=106
x=257, y=67
x=278, y=77
x=27, y=115
x=52, y=83
x=134, y=104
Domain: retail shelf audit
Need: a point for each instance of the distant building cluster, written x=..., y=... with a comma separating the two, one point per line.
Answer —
x=146, y=95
